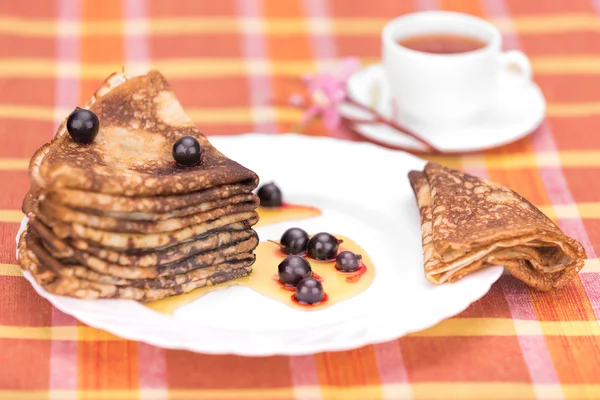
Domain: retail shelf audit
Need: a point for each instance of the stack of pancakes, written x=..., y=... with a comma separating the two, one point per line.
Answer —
x=118, y=218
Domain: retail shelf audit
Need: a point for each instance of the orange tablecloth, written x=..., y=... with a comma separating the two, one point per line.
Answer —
x=230, y=62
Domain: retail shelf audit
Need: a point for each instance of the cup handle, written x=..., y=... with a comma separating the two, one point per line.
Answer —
x=517, y=64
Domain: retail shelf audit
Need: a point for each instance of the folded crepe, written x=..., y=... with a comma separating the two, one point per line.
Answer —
x=76, y=281
x=127, y=224
x=210, y=250
x=178, y=204
x=468, y=223
x=141, y=241
x=141, y=119
x=114, y=273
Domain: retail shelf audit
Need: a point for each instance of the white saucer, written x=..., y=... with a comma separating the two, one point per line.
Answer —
x=380, y=213
x=518, y=111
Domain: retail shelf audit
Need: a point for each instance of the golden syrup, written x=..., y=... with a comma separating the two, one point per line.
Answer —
x=287, y=212
x=338, y=286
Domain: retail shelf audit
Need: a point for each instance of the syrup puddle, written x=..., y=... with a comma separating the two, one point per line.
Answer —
x=287, y=212
x=338, y=286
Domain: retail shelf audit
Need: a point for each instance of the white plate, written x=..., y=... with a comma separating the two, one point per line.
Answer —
x=518, y=110
x=364, y=193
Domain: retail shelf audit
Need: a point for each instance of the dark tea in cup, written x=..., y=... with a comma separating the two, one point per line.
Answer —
x=445, y=67
x=442, y=43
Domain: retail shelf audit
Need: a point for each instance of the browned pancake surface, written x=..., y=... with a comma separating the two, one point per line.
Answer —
x=135, y=223
x=119, y=218
x=174, y=204
x=468, y=223
x=69, y=285
x=140, y=120
x=468, y=210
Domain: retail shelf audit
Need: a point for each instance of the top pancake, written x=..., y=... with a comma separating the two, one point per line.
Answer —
x=140, y=120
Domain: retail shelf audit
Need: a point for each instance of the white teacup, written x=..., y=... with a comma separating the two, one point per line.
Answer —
x=447, y=87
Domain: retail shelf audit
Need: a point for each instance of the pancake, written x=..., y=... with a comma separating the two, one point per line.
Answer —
x=106, y=203
x=120, y=218
x=145, y=257
x=138, y=241
x=201, y=259
x=61, y=285
x=131, y=155
x=468, y=223
x=100, y=258
x=161, y=276
x=110, y=223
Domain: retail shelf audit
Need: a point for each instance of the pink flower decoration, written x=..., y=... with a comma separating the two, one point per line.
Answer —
x=327, y=90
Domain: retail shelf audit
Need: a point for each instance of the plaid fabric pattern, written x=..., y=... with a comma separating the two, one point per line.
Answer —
x=231, y=63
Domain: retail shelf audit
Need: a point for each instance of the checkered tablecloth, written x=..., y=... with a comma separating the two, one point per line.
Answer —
x=231, y=63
